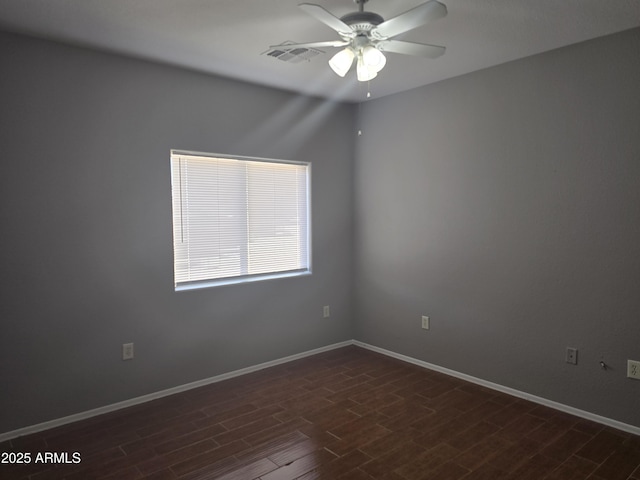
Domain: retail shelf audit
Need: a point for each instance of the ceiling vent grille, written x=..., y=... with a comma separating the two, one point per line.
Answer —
x=292, y=55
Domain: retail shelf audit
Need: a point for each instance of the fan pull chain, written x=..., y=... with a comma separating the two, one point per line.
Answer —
x=368, y=95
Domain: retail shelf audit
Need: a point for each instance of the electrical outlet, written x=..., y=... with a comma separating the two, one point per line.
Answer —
x=425, y=322
x=127, y=351
x=326, y=312
x=633, y=369
x=572, y=356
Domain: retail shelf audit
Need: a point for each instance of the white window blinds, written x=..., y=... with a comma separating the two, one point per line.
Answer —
x=237, y=219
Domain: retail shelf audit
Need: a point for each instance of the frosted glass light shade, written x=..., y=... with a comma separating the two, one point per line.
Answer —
x=363, y=71
x=373, y=58
x=341, y=62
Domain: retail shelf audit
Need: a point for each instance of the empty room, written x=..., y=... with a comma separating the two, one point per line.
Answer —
x=350, y=239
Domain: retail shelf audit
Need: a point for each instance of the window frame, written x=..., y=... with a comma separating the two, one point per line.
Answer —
x=242, y=278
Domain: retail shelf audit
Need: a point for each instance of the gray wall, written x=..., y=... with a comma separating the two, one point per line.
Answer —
x=86, y=246
x=505, y=204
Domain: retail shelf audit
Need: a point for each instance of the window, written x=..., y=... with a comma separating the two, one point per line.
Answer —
x=238, y=219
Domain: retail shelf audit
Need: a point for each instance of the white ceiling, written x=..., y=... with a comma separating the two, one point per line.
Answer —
x=227, y=37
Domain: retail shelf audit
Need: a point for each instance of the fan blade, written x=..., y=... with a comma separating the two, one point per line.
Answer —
x=291, y=46
x=410, y=48
x=426, y=12
x=327, y=18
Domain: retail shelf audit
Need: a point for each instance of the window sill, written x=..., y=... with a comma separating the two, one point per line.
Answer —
x=238, y=280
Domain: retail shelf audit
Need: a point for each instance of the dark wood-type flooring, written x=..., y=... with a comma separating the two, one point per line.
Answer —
x=344, y=414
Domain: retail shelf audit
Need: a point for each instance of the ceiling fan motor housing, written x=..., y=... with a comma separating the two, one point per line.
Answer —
x=362, y=21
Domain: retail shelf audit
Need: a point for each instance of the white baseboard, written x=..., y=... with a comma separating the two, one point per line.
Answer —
x=510, y=391
x=225, y=376
x=170, y=391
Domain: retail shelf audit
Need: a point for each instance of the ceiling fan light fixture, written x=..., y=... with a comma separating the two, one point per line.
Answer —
x=341, y=62
x=373, y=58
x=363, y=71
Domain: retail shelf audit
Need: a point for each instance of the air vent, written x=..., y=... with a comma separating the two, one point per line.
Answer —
x=292, y=55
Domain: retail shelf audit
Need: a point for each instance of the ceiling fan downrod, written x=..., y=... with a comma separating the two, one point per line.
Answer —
x=360, y=4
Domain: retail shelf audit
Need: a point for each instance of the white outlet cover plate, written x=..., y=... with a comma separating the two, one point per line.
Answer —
x=127, y=351
x=633, y=369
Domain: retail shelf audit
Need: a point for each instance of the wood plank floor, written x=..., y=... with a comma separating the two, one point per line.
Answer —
x=344, y=414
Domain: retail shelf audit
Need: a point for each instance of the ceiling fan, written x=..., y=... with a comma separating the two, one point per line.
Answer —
x=365, y=35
